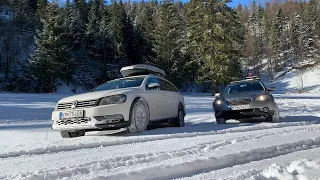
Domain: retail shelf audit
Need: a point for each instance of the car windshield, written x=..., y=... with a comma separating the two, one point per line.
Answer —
x=244, y=87
x=121, y=83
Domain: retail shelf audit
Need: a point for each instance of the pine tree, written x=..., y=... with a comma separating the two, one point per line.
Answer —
x=296, y=37
x=210, y=43
x=82, y=9
x=96, y=16
x=145, y=24
x=53, y=57
x=33, y=4
x=168, y=40
x=310, y=39
x=117, y=20
x=278, y=37
x=23, y=16
x=194, y=47
x=75, y=22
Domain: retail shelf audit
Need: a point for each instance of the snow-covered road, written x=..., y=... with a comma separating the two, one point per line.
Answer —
x=29, y=149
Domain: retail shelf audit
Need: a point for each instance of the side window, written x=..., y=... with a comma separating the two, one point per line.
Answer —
x=264, y=86
x=152, y=80
x=173, y=87
x=166, y=86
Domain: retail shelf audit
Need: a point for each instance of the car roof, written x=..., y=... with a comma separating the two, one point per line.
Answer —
x=246, y=80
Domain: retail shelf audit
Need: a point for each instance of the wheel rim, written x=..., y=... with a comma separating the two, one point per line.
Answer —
x=181, y=118
x=139, y=117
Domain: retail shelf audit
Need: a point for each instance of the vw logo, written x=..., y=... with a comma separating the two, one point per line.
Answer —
x=74, y=104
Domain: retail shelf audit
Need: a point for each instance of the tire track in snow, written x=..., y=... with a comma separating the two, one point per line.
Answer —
x=114, y=164
x=65, y=148
x=211, y=163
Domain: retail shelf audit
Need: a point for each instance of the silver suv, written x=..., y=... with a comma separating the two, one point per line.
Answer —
x=245, y=99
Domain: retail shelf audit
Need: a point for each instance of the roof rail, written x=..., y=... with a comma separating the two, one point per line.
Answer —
x=253, y=77
x=247, y=79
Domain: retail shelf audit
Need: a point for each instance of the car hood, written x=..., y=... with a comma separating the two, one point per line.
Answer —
x=96, y=95
x=249, y=95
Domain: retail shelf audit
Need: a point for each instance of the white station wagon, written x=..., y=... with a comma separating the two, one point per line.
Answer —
x=141, y=98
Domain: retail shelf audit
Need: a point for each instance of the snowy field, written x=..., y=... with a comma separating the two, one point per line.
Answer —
x=201, y=150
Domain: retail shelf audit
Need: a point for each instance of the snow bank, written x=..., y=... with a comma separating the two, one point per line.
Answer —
x=299, y=170
x=289, y=83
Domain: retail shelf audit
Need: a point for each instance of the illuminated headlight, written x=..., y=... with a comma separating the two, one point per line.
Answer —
x=115, y=99
x=262, y=98
x=219, y=102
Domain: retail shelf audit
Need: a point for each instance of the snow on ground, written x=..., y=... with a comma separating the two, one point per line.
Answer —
x=201, y=150
x=289, y=82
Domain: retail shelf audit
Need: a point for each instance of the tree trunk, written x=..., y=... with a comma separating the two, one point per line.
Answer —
x=214, y=88
x=51, y=85
x=7, y=66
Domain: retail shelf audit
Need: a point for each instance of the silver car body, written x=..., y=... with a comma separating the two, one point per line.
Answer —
x=162, y=104
x=246, y=104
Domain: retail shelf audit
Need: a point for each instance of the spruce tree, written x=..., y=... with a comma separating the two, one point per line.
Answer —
x=52, y=59
x=117, y=20
x=145, y=24
x=168, y=40
x=296, y=37
x=278, y=38
x=93, y=31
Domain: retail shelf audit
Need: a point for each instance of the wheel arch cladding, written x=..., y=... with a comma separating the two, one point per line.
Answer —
x=182, y=107
x=135, y=100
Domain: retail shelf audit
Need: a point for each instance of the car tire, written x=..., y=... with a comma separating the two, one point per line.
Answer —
x=72, y=134
x=139, y=117
x=220, y=121
x=179, y=121
x=275, y=117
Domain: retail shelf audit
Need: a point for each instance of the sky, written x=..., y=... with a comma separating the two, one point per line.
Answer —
x=233, y=4
x=245, y=2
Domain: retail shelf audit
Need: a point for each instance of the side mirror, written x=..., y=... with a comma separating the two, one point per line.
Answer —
x=272, y=89
x=217, y=95
x=153, y=86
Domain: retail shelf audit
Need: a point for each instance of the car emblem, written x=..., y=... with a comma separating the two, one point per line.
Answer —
x=74, y=104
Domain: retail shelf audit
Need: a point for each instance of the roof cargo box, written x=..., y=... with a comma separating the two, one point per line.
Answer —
x=141, y=69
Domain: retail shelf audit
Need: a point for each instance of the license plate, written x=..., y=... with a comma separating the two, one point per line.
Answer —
x=240, y=107
x=71, y=114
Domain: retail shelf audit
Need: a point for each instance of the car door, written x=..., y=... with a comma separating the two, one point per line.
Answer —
x=154, y=98
x=170, y=98
x=175, y=99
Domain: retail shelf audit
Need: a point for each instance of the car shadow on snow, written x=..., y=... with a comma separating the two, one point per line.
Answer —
x=166, y=129
x=25, y=126
x=205, y=127
x=308, y=119
x=295, y=97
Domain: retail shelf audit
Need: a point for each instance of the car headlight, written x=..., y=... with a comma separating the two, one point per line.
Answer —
x=115, y=99
x=218, y=102
x=262, y=98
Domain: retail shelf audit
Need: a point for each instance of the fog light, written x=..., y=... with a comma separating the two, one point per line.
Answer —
x=265, y=109
x=113, y=117
x=99, y=118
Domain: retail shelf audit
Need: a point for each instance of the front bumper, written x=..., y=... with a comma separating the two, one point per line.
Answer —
x=94, y=118
x=240, y=114
x=256, y=109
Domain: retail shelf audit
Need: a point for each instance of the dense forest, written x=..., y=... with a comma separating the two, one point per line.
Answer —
x=45, y=44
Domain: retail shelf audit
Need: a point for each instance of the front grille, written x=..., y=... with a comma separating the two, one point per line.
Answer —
x=73, y=121
x=81, y=104
x=239, y=102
